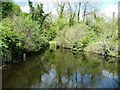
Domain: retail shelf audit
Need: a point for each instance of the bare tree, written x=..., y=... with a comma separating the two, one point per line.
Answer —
x=84, y=12
x=72, y=12
x=78, y=15
x=61, y=9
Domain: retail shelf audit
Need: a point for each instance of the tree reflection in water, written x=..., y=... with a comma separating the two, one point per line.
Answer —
x=62, y=69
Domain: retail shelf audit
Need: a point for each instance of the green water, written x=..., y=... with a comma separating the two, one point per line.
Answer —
x=62, y=69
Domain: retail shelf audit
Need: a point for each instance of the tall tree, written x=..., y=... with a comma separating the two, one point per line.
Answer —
x=10, y=8
x=61, y=9
x=84, y=12
x=37, y=14
x=78, y=15
x=72, y=12
x=31, y=9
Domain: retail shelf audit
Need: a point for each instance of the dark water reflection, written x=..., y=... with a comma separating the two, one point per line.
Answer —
x=61, y=69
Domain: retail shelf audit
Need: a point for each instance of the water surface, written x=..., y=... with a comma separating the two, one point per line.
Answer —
x=62, y=69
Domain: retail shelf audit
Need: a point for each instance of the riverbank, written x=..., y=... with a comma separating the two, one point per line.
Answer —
x=99, y=38
x=29, y=54
x=54, y=46
x=20, y=37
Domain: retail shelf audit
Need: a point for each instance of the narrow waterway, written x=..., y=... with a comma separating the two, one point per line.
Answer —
x=62, y=69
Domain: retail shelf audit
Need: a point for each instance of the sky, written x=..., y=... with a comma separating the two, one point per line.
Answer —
x=106, y=7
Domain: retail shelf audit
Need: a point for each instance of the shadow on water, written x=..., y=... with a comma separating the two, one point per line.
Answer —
x=62, y=69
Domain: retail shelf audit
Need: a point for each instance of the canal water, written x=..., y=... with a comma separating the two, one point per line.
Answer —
x=62, y=69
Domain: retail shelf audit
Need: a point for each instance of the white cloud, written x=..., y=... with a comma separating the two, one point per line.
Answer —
x=25, y=8
x=108, y=11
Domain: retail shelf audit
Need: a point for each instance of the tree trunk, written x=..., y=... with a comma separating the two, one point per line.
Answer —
x=84, y=13
x=79, y=12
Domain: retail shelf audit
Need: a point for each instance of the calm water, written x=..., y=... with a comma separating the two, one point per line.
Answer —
x=61, y=69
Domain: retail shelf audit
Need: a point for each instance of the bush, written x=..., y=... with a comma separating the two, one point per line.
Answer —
x=32, y=37
x=92, y=37
x=19, y=34
x=52, y=45
x=72, y=37
x=108, y=36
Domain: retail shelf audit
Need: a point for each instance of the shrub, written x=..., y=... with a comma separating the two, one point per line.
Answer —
x=19, y=34
x=32, y=37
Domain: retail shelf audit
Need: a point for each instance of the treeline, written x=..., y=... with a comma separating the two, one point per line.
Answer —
x=91, y=33
x=30, y=32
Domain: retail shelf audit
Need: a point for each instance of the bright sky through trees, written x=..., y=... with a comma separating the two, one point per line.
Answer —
x=106, y=7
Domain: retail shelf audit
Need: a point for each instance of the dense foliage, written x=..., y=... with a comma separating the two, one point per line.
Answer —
x=20, y=34
x=99, y=37
x=23, y=33
x=9, y=9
